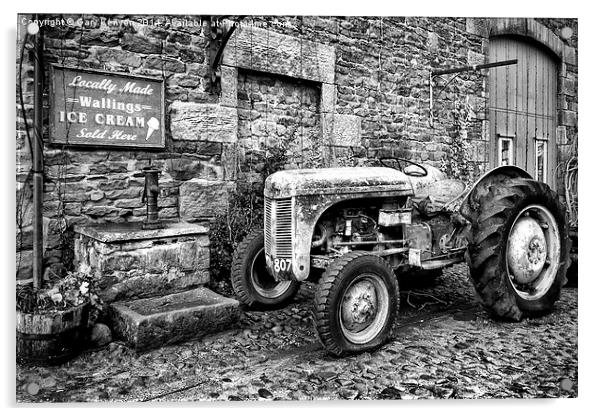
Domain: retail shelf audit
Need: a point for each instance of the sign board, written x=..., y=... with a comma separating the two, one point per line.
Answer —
x=96, y=108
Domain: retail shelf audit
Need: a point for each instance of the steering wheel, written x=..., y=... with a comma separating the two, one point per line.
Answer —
x=421, y=173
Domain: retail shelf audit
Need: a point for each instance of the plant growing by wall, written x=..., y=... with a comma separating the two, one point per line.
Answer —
x=570, y=171
x=456, y=163
x=244, y=211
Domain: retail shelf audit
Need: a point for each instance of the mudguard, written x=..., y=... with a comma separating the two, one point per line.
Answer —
x=468, y=203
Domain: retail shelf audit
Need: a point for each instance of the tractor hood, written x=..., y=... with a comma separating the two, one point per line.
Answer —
x=348, y=180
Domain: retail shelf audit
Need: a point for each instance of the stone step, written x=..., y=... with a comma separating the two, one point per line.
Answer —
x=153, y=322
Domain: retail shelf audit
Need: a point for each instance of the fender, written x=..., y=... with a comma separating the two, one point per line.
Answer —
x=469, y=200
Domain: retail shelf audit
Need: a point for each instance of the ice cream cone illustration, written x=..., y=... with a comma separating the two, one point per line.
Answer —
x=153, y=124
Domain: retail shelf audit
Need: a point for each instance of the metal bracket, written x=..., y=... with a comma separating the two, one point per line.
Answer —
x=215, y=79
x=457, y=71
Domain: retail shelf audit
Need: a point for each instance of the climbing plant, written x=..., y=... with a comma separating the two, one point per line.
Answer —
x=456, y=162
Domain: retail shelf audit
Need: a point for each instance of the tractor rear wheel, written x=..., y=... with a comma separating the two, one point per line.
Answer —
x=251, y=281
x=518, y=252
x=356, y=303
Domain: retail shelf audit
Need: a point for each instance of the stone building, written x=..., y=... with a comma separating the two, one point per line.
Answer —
x=314, y=91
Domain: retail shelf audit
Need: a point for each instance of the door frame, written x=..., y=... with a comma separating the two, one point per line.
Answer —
x=534, y=32
x=525, y=152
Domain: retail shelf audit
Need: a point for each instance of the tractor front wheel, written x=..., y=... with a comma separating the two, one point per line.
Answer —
x=356, y=303
x=251, y=281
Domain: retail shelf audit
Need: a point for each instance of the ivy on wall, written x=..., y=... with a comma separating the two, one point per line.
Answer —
x=457, y=161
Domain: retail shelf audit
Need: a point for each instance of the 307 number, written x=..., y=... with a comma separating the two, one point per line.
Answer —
x=282, y=265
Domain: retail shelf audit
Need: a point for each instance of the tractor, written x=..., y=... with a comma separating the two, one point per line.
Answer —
x=357, y=230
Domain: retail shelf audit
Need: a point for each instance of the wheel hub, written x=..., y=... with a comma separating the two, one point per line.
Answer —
x=359, y=306
x=527, y=250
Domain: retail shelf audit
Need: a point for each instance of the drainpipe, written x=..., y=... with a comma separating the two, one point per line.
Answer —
x=37, y=162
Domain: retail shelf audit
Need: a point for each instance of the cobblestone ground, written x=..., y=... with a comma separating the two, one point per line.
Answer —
x=444, y=346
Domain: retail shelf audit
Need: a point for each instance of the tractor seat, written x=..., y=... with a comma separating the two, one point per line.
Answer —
x=431, y=198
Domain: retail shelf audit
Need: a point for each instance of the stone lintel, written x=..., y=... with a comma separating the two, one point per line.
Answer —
x=267, y=51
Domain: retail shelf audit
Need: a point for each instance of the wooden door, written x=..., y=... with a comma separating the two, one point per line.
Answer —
x=522, y=108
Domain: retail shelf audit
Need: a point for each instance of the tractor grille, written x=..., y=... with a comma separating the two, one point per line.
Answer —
x=278, y=222
x=267, y=228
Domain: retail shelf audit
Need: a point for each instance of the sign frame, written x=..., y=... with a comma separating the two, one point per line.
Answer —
x=53, y=108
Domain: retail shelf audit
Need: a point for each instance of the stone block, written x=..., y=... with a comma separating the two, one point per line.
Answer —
x=432, y=41
x=262, y=50
x=475, y=58
x=117, y=56
x=164, y=63
x=201, y=199
x=341, y=129
x=561, y=137
x=140, y=44
x=568, y=86
x=150, y=323
x=129, y=262
x=568, y=118
x=100, y=37
x=569, y=55
x=229, y=82
x=96, y=196
x=228, y=161
x=328, y=99
x=203, y=122
x=179, y=37
x=184, y=80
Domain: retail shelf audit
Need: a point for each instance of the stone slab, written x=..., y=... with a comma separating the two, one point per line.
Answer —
x=203, y=122
x=123, y=232
x=150, y=323
x=200, y=199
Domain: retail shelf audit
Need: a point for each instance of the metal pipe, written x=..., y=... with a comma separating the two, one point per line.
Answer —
x=37, y=163
x=474, y=67
x=431, y=123
x=150, y=196
x=365, y=243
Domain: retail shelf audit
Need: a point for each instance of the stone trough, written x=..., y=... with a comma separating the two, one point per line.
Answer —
x=152, y=281
x=129, y=262
x=150, y=323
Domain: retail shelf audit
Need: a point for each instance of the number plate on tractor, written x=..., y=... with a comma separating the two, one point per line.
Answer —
x=282, y=265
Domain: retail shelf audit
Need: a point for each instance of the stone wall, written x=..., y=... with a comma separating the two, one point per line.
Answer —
x=358, y=87
x=84, y=186
x=275, y=113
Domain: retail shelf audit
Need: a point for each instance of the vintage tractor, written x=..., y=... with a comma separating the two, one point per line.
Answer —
x=364, y=227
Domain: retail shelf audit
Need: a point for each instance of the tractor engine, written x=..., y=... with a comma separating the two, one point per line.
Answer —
x=396, y=225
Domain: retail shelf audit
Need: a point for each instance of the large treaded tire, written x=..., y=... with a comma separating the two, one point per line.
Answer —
x=329, y=296
x=487, y=248
x=243, y=283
